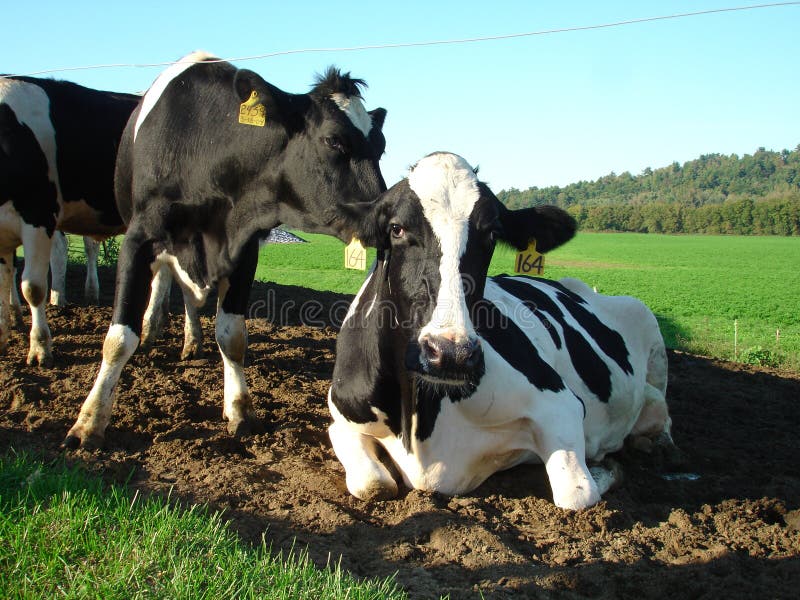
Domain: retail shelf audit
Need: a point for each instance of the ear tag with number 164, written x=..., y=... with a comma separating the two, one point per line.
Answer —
x=529, y=261
x=355, y=256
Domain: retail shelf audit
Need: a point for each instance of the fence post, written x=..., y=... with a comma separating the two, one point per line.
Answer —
x=735, y=338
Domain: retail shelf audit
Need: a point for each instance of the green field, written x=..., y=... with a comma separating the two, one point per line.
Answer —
x=64, y=533
x=696, y=285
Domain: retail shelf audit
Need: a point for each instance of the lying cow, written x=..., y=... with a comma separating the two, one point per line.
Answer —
x=212, y=158
x=58, y=144
x=458, y=381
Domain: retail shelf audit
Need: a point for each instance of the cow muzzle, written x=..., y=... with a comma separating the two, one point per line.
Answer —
x=445, y=360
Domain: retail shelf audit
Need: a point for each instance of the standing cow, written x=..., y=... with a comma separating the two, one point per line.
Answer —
x=458, y=375
x=58, y=145
x=213, y=157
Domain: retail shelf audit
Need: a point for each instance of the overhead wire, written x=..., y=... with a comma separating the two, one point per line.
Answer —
x=469, y=40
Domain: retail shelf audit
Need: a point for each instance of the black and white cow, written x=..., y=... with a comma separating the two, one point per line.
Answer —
x=197, y=188
x=58, y=144
x=458, y=376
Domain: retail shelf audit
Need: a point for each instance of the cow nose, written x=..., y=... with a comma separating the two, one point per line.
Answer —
x=443, y=353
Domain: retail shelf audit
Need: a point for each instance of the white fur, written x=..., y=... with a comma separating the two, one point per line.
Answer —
x=162, y=81
x=193, y=292
x=118, y=347
x=231, y=334
x=353, y=107
x=448, y=190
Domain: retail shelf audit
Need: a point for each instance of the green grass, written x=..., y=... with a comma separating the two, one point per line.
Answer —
x=66, y=534
x=696, y=285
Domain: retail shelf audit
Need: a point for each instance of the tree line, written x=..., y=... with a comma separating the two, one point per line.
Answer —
x=756, y=194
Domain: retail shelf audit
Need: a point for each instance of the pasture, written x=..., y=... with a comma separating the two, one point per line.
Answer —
x=696, y=285
x=720, y=521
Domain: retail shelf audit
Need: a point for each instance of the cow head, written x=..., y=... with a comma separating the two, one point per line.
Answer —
x=331, y=148
x=436, y=232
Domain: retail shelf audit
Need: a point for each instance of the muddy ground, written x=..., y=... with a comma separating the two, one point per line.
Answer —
x=723, y=524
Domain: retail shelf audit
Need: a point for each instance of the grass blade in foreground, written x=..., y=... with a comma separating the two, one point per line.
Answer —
x=63, y=533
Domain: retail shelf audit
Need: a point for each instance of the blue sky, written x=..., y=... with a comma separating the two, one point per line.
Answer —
x=532, y=111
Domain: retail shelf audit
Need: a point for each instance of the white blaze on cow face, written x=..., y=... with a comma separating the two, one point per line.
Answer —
x=355, y=111
x=160, y=84
x=448, y=190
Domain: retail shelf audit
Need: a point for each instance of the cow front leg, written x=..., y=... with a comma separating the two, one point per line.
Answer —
x=367, y=478
x=133, y=277
x=36, y=244
x=231, y=334
x=559, y=437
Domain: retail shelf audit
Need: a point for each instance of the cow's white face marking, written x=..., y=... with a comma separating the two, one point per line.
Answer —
x=353, y=107
x=448, y=190
x=162, y=81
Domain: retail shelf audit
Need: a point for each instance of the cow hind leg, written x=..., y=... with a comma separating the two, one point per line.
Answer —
x=133, y=276
x=36, y=244
x=16, y=305
x=91, y=288
x=58, y=270
x=158, y=307
x=654, y=424
x=231, y=335
x=192, y=331
x=6, y=284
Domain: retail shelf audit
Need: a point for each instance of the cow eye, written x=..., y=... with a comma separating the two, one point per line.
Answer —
x=397, y=230
x=334, y=143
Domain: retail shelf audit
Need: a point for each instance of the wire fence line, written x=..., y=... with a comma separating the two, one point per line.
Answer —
x=385, y=46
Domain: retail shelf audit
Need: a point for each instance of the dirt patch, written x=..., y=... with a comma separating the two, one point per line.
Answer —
x=724, y=524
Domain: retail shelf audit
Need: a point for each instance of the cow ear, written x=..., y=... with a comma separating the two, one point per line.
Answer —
x=550, y=226
x=378, y=116
x=245, y=82
x=373, y=227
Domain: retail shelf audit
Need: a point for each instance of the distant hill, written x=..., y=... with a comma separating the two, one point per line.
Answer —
x=753, y=194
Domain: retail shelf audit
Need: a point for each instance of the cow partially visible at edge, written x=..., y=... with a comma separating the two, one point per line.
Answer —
x=197, y=185
x=58, y=145
x=457, y=375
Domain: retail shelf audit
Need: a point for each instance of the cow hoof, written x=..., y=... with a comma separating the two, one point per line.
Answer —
x=239, y=427
x=375, y=490
x=90, y=442
x=192, y=351
x=41, y=359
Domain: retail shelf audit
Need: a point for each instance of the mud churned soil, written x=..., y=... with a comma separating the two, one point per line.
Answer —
x=723, y=522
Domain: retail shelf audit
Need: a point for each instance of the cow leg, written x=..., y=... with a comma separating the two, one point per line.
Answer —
x=36, y=244
x=366, y=476
x=133, y=275
x=558, y=433
x=58, y=269
x=192, y=331
x=231, y=334
x=91, y=288
x=16, y=306
x=158, y=306
x=6, y=284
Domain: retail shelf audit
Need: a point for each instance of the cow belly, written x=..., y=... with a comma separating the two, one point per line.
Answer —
x=81, y=219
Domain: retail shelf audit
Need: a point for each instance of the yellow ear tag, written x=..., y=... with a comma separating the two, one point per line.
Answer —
x=252, y=112
x=355, y=256
x=529, y=261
